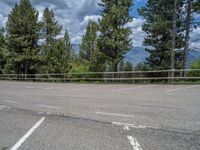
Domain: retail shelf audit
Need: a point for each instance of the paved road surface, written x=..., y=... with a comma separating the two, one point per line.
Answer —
x=49, y=116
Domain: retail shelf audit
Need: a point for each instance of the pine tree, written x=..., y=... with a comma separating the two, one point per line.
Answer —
x=6, y=63
x=128, y=66
x=121, y=66
x=60, y=57
x=50, y=29
x=114, y=41
x=158, y=26
x=64, y=53
x=2, y=47
x=88, y=45
x=22, y=30
x=89, y=52
x=68, y=47
x=173, y=38
x=196, y=6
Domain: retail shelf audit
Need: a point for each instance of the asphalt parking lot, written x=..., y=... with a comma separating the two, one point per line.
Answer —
x=49, y=116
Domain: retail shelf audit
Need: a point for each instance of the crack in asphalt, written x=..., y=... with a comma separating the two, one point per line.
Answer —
x=53, y=114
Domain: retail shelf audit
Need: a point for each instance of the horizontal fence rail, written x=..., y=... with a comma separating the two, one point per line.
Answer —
x=154, y=76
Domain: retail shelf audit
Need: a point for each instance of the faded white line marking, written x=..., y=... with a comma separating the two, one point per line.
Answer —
x=179, y=89
x=2, y=107
x=197, y=122
x=113, y=114
x=23, y=139
x=50, y=88
x=135, y=87
x=126, y=128
x=135, y=144
x=29, y=87
x=81, y=89
x=9, y=101
x=132, y=125
x=47, y=106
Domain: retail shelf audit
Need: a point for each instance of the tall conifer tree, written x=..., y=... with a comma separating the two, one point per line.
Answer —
x=158, y=26
x=89, y=51
x=114, y=41
x=22, y=29
x=2, y=47
x=50, y=30
x=61, y=55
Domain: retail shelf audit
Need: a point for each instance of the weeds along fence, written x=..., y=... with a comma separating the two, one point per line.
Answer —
x=156, y=76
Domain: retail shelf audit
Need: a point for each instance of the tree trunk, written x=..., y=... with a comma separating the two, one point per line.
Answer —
x=115, y=70
x=173, y=39
x=115, y=67
x=26, y=69
x=187, y=34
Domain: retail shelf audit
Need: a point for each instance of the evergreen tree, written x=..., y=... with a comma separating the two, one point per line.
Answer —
x=89, y=52
x=142, y=67
x=2, y=47
x=128, y=66
x=68, y=47
x=114, y=40
x=121, y=65
x=196, y=6
x=158, y=26
x=60, y=57
x=22, y=30
x=63, y=54
x=6, y=63
x=50, y=29
x=88, y=45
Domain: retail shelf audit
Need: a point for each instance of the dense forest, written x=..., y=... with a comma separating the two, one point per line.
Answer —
x=30, y=46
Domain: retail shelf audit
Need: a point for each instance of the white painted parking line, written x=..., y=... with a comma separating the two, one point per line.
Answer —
x=81, y=89
x=197, y=122
x=29, y=87
x=134, y=142
x=113, y=114
x=2, y=107
x=127, y=125
x=48, y=88
x=179, y=89
x=131, y=88
x=10, y=101
x=23, y=139
x=48, y=106
x=126, y=128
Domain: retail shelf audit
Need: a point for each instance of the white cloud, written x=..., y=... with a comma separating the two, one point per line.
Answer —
x=137, y=35
x=195, y=38
x=86, y=19
x=73, y=15
x=3, y=20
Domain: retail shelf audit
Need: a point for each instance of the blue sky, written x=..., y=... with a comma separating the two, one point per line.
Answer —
x=138, y=4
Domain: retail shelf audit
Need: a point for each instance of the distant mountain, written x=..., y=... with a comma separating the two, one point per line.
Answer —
x=193, y=55
x=75, y=48
x=138, y=55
